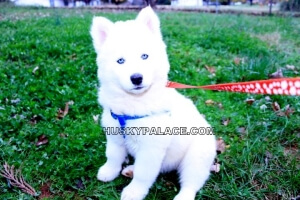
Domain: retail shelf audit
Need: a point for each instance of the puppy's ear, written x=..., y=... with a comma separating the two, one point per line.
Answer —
x=150, y=19
x=99, y=31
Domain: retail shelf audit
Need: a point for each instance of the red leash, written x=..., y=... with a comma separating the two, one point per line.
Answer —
x=281, y=86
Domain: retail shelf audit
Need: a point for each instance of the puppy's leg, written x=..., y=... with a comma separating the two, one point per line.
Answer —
x=194, y=171
x=146, y=169
x=116, y=154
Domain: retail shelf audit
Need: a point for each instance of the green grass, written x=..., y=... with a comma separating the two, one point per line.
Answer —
x=259, y=163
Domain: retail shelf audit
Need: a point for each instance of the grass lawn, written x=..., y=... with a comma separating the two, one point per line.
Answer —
x=47, y=60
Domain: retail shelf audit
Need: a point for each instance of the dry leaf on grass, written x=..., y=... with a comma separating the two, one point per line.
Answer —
x=221, y=146
x=292, y=151
x=209, y=102
x=277, y=74
x=212, y=70
x=62, y=113
x=63, y=135
x=275, y=106
x=220, y=105
x=45, y=191
x=169, y=184
x=288, y=110
x=35, y=69
x=96, y=118
x=268, y=156
x=241, y=130
x=42, y=139
x=263, y=107
x=225, y=121
x=16, y=179
x=250, y=101
x=238, y=60
x=268, y=98
x=292, y=67
x=215, y=168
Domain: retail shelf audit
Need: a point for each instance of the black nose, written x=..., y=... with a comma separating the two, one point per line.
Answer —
x=136, y=79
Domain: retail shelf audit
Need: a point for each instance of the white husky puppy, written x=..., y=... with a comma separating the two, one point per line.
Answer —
x=133, y=71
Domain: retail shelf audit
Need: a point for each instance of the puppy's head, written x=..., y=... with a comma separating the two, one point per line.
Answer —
x=131, y=55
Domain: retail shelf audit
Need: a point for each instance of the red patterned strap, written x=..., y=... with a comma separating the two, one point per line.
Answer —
x=282, y=86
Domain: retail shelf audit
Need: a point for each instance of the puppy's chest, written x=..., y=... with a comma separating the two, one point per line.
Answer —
x=133, y=144
x=143, y=132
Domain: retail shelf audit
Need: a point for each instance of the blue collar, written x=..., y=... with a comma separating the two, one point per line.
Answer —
x=123, y=118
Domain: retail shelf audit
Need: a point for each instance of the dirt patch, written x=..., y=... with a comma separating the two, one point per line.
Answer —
x=273, y=39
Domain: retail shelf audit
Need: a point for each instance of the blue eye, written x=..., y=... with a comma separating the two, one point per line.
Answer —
x=144, y=56
x=121, y=61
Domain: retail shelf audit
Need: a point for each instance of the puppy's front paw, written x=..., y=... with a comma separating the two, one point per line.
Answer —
x=107, y=173
x=133, y=193
x=185, y=195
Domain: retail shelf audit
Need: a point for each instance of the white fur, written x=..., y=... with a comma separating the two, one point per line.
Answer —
x=191, y=155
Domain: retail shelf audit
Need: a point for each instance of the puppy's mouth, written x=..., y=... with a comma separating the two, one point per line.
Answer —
x=139, y=89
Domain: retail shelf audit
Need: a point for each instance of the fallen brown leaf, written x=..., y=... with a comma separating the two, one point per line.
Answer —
x=263, y=107
x=238, y=60
x=292, y=151
x=62, y=113
x=225, y=121
x=16, y=179
x=45, y=191
x=215, y=168
x=277, y=74
x=211, y=69
x=242, y=130
x=209, y=102
x=220, y=105
x=63, y=135
x=35, y=69
x=42, y=139
x=250, y=101
x=275, y=106
x=169, y=184
x=290, y=67
x=268, y=98
x=288, y=110
x=96, y=118
x=221, y=146
x=268, y=156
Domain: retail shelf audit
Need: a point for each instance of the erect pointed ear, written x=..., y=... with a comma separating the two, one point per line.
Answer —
x=150, y=19
x=99, y=31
